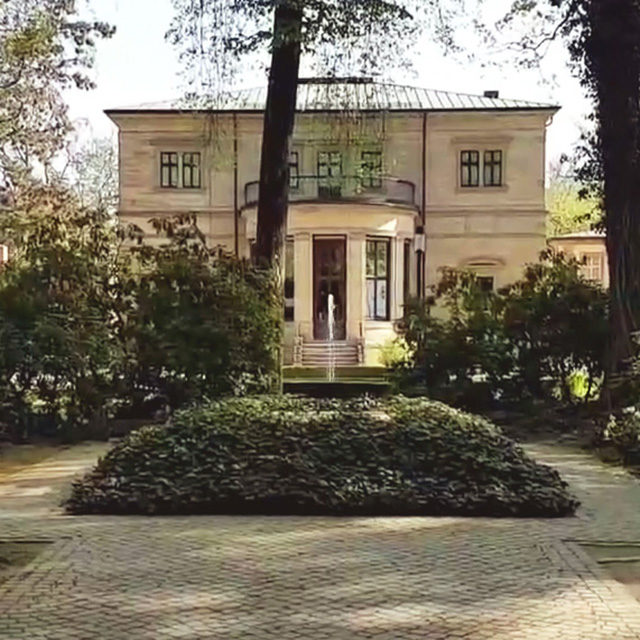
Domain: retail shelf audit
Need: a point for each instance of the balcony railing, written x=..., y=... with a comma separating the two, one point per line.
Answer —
x=385, y=190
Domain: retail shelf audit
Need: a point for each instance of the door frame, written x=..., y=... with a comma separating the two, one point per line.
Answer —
x=320, y=237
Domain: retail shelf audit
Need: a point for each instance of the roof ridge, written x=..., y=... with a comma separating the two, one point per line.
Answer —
x=378, y=95
x=456, y=93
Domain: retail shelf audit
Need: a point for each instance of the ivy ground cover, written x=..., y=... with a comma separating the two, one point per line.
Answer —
x=286, y=455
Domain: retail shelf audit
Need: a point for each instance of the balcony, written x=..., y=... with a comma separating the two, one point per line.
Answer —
x=387, y=190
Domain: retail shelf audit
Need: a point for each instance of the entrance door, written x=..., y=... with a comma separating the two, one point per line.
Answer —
x=329, y=276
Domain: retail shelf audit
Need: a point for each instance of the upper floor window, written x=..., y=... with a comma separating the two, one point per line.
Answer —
x=493, y=168
x=469, y=168
x=378, y=261
x=329, y=174
x=294, y=170
x=371, y=169
x=180, y=170
x=191, y=170
x=169, y=169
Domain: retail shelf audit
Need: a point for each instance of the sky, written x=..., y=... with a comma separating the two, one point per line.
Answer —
x=137, y=66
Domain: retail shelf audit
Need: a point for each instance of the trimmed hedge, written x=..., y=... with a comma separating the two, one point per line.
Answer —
x=285, y=455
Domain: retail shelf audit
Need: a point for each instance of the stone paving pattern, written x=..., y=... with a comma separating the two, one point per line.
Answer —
x=255, y=578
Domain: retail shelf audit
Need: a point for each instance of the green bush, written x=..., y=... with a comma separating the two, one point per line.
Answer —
x=197, y=321
x=542, y=337
x=284, y=455
x=58, y=359
x=93, y=325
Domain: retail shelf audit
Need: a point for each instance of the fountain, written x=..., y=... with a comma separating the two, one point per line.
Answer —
x=331, y=317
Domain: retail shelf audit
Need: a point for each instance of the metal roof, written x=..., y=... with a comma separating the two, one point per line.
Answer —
x=346, y=94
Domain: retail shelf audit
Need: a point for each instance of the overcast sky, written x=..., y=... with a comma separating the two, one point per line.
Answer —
x=137, y=65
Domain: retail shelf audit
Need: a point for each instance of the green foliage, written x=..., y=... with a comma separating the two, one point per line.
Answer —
x=57, y=356
x=622, y=429
x=87, y=325
x=528, y=340
x=284, y=455
x=569, y=210
x=198, y=322
x=45, y=48
x=214, y=38
x=394, y=354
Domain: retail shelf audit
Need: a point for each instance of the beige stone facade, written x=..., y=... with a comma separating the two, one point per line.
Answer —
x=380, y=199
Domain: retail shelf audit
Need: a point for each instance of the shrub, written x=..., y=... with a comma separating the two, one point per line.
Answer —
x=542, y=337
x=88, y=328
x=283, y=455
x=58, y=361
x=197, y=321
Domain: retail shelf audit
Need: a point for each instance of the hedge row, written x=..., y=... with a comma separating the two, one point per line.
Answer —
x=287, y=455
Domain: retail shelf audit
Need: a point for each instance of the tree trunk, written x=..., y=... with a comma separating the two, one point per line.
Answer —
x=279, y=120
x=613, y=54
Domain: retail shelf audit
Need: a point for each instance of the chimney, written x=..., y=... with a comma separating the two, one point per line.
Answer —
x=492, y=94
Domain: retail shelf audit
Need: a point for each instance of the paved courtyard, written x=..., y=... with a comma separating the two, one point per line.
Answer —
x=108, y=578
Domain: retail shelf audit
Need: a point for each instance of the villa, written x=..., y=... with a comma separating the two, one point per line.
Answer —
x=389, y=184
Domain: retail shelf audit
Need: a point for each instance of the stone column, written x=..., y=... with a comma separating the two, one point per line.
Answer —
x=397, y=277
x=356, y=288
x=303, y=274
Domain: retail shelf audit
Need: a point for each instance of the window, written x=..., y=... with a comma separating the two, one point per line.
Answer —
x=485, y=283
x=191, y=170
x=592, y=266
x=371, y=169
x=289, y=282
x=378, y=279
x=180, y=170
x=407, y=270
x=329, y=173
x=492, y=168
x=169, y=169
x=294, y=170
x=469, y=168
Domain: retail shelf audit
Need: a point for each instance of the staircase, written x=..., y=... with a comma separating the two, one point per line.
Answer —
x=319, y=354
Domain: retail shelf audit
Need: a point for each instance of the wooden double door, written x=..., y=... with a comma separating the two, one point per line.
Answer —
x=329, y=277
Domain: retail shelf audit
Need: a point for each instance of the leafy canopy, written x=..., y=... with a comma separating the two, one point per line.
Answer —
x=45, y=48
x=214, y=37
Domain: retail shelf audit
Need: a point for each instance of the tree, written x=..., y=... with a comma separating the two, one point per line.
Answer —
x=213, y=35
x=609, y=49
x=571, y=210
x=603, y=41
x=44, y=48
x=92, y=170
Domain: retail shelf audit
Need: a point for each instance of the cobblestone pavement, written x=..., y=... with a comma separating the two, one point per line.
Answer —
x=112, y=578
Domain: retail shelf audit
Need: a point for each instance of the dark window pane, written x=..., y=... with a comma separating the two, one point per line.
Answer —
x=294, y=170
x=381, y=299
x=383, y=248
x=371, y=299
x=169, y=169
x=485, y=283
x=191, y=170
x=371, y=169
x=371, y=259
x=378, y=279
x=493, y=168
x=469, y=168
